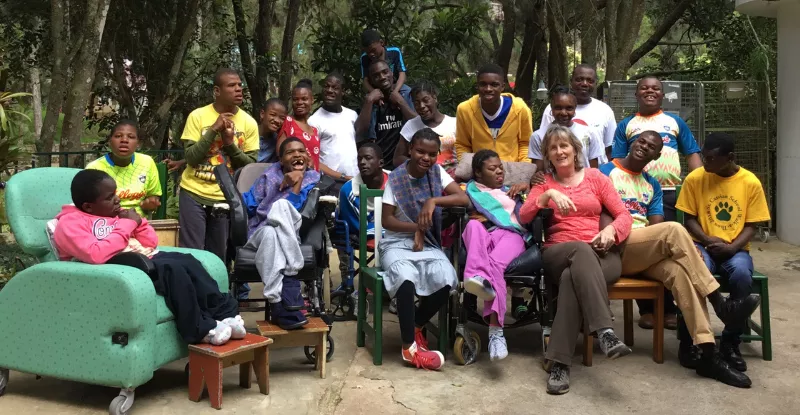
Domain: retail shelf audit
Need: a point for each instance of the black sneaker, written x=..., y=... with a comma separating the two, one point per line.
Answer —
x=689, y=355
x=734, y=313
x=558, y=382
x=718, y=369
x=612, y=346
x=730, y=353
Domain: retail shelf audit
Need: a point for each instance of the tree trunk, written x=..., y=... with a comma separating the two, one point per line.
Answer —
x=58, y=80
x=557, y=54
x=287, y=49
x=661, y=30
x=531, y=41
x=590, y=34
x=509, y=34
x=622, y=23
x=36, y=95
x=263, y=44
x=256, y=94
x=84, y=69
x=155, y=121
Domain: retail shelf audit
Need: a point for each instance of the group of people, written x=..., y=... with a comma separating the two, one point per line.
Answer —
x=613, y=188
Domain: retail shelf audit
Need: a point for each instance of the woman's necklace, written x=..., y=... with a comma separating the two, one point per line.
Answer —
x=571, y=181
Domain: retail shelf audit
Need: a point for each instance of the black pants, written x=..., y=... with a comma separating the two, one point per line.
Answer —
x=670, y=215
x=201, y=228
x=191, y=294
x=410, y=316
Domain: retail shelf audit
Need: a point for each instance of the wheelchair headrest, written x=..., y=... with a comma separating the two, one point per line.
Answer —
x=238, y=212
x=247, y=175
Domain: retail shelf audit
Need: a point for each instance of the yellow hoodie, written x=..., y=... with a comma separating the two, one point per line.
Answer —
x=472, y=133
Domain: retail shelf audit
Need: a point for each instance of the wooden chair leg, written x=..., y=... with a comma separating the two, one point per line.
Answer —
x=588, y=347
x=627, y=306
x=658, y=329
x=245, y=378
x=261, y=366
x=322, y=354
x=196, y=380
x=766, y=330
x=377, y=352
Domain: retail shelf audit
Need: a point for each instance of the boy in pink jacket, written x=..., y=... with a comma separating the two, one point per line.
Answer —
x=95, y=229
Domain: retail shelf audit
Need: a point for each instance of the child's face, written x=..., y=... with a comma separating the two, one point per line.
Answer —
x=107, y=202
x=375, y=50
x=563, y=108
x=124, y=141
x=423, y=154
x=273, y=117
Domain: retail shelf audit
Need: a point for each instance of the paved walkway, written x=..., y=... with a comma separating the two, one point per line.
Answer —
x=515, y=385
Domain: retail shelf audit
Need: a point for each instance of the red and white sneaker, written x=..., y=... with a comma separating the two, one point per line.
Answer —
x=425, y=359
x=420, y=340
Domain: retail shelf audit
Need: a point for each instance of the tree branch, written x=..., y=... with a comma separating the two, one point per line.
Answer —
x=660, y=31
x=698, y=43
x=675, y=72
x=437, y=6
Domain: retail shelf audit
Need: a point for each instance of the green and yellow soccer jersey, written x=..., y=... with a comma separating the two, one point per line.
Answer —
x=135, y=182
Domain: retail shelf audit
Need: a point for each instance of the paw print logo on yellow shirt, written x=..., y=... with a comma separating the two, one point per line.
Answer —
x=723, y=211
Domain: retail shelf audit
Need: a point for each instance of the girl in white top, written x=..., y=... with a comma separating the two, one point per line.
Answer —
x=426, y=104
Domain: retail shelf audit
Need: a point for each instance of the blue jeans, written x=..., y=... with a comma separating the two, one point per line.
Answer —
x=738, y=271
x=244, y=291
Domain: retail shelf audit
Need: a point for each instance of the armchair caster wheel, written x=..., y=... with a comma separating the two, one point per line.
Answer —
x=4, y=374
x=121, y=405
x=311, y=355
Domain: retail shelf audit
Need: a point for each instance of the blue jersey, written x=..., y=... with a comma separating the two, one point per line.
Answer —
x=640, y=192
x=394, y=58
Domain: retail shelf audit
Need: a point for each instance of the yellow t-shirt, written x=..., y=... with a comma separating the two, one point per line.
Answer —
x=201, y=180
x=135, y=182
x=723, y=205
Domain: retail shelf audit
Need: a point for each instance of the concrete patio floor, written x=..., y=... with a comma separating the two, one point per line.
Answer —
x=514, y=385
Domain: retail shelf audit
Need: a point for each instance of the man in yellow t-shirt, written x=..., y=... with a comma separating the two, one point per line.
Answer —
x=215, y=134
x=723, y=202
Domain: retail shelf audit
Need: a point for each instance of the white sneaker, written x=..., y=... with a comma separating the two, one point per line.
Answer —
x=218, y=335
x=393, y=306
x=237, y=327
x=480, y=287
x=498, y=350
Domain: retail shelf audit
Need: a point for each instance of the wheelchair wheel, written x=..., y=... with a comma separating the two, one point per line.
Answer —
x=311, y=354
x=4, y=374
x=343, y=306
x=763, y=234
x=462, y=352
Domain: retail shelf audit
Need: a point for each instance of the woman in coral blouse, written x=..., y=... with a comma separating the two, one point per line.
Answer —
x=577, y=258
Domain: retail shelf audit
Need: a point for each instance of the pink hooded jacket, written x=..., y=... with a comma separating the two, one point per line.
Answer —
x=95, y=239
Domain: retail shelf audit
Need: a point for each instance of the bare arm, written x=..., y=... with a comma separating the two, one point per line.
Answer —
x=593, y=163
x=400, y=152
x=655, y=219
x=367, y=87
x=364, y=119
x=393, y=224
x=401, y=80
x=694, y=161
x=744, y=237
x=694, y=228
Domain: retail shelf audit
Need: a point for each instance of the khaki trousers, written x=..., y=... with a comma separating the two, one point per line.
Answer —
x=665, y=252
x=582, y=278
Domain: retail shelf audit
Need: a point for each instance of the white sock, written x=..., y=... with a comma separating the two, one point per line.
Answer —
x=495, y=330
x=605, y=330
x=236, y=324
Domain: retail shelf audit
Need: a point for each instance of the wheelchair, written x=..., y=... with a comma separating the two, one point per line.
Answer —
x=241, y=260
x=345, y=296
x=526, y=273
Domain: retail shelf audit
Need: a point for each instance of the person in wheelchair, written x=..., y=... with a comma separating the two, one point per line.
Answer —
x=96, y=229
x=371, y=173
x=411, y=252
x=493, y=238
x=273, y=208
x=664, y=251
x=577, y=258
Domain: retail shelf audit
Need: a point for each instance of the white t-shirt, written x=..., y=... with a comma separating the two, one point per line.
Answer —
x=388, y=195
x=446, y=129
x=337, y=139
x=592, y=144
x=597, y=114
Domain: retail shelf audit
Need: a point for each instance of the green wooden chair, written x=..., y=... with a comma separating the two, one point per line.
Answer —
x=762, y=329
x=370, y=278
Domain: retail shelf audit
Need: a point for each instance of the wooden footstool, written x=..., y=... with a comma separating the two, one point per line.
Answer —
x=313, y=334
x=207, y=361
x=627, y=290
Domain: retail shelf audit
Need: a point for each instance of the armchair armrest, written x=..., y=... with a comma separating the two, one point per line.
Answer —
x=215, y=267
x=132, y=259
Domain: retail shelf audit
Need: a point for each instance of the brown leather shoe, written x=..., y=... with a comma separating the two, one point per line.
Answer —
x=671, y=321
x=647, y=321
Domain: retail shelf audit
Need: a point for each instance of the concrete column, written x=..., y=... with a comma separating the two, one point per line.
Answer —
x=788, y=154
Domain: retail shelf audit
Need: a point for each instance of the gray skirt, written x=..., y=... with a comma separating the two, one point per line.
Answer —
x=429, y=270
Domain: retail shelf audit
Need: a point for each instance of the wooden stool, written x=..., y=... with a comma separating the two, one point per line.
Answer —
x=166, y=230
x=206, y=362
x=314, y=334
x=627, y=290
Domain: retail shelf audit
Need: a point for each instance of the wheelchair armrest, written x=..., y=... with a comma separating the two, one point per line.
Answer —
x=540, y=223
x=132, y=259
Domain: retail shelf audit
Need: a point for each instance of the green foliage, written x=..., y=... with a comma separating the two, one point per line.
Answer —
x=12, y=260
x=436, y=43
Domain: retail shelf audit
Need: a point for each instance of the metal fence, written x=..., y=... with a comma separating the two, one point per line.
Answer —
x=61, y=158
x=738, y=108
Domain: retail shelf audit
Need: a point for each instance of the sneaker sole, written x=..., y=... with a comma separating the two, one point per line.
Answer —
x=619, y=351
x=476, y=288
x=558, y=392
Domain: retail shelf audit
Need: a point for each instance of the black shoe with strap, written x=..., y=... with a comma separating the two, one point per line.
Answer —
x=688, y=355
x=734, y=313
x=729, y=351
x=715, y=368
